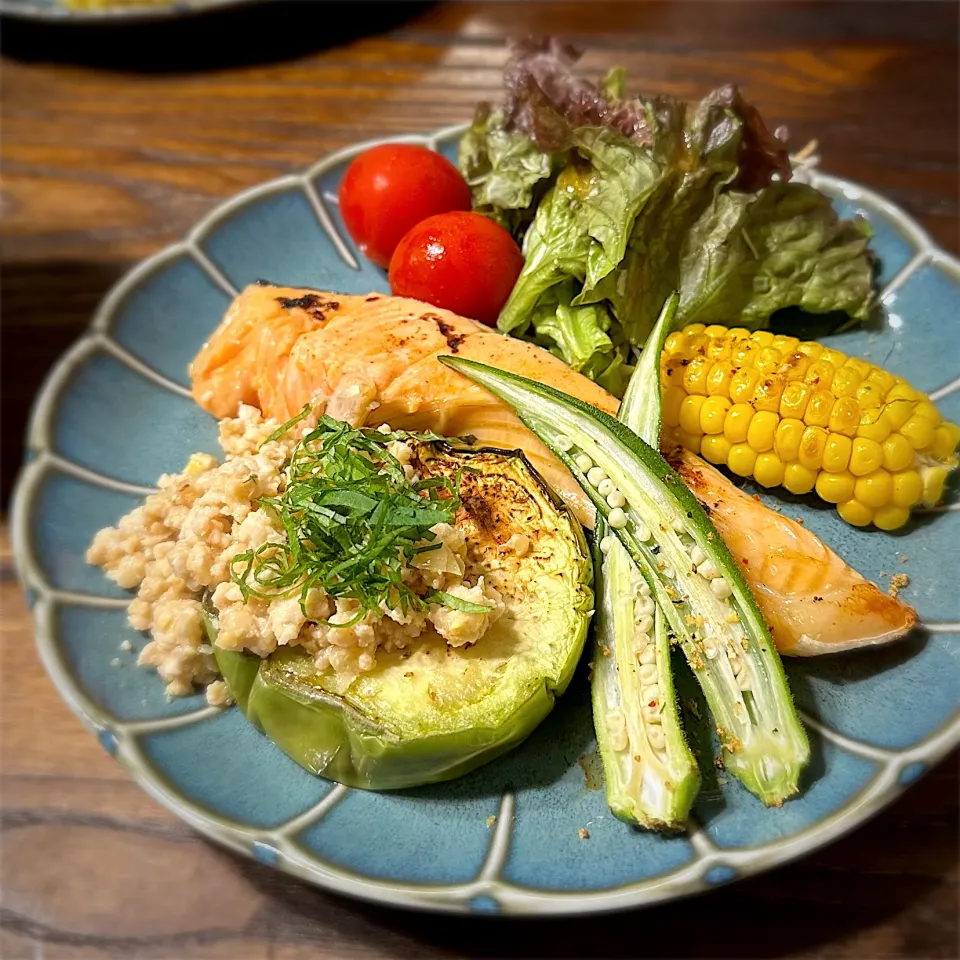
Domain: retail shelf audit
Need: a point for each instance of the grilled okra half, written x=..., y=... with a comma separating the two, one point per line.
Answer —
x=692, y=578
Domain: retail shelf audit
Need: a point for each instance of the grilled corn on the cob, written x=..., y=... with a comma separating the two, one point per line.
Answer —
x=807, y=417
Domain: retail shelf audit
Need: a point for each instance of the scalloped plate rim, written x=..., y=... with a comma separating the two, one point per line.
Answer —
x=882, y=788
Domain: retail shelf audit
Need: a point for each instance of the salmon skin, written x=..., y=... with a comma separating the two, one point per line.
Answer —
x=374, y=359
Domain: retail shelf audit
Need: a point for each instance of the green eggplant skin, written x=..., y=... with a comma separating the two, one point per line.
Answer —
x=432, y=712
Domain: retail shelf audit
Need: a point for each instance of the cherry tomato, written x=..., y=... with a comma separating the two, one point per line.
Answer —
x=460, y=261
x=390, y=189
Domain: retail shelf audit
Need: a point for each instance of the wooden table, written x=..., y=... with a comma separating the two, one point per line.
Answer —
x=115, y=140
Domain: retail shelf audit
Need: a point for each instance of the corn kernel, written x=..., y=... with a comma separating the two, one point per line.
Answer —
x=794, y=367
x=762, y=337
x=719, y=377
x=869, y=395
x=867, y=456
x=741, y=459
x=694, y=328
x=907, y=488
x=902, y=390
x=834, y=357
x=767, y=394
x=768, y=361
x=690, y=413
x=819, y=407
x=673, y=397
x=716, y=448
x=793, y=402
x=762, y=429
x=768, y=470
x=713, y=413
x=918, y=431
x=798, y=479
x=874, y=425
x=944, y=441
x=845, y=417
x=835, y=487
x=811, y=349
x=695, y=376
x=786, y=344
x=898, y=411
x=737, y=424
x=928, y=411
x=933, y=480
x=820, y=374
x=812, y=443
x=696, y=345
x=836, y=453
x=718, y=348
x=675, y=343
x=846, y=382
x=744, y=353
x=743, y=385
x=737, y=333
x=855, y=513
x=875, y=489
x=715, y=330
x=862, y=367
x=897, y=452
x=787, y=441
x=891, y=517
x=689, y=441
x=882, y=379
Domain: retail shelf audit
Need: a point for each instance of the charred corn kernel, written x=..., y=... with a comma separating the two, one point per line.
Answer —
x=762, y=429
x=695, y=376
x=820, y=374
x=807, y=417
x=793, y=400
x=798, y=479
x=719, y=377
x=715, y=448
x=874, y=490
x=689, y=441
x=918, y=431
x=819, y=407
x=897, y=452
x=786, y=443
x=768, y=361
x=899, y=411
x=874, y=425
x=933, y=480
x=835, y=487
x=812, y=444
x=944, y=441
x=855, y=513
x=907, y=488
x=836, y=453
x=865, y=457
x=768, y=470
x=743, y=385
x=845, y=417
x=846, y=382
x=928, y=411
x=768, y=393
x=673, y=397
x=811, y=349
x=690, y=413
x=741, y=459
x=737, y=423
x=713, y=413
x=891, y=517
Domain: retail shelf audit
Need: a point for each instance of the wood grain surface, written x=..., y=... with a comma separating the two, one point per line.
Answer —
x=115, y=140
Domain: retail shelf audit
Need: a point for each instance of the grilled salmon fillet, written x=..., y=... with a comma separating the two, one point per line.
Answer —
x=374, y=359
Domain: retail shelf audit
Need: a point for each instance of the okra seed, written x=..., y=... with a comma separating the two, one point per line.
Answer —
x=564, y=443
x=606, y=544
x=656, y=737
x=708, y=570
x=606, y=487
x=645, y=624
x=650, y=694
x=743, y=680
x=595, y=476
x=644, y=589
x=721, y=587
x=616, y=499
x=648, y=656
x=640, y=642
x=643, y=607
x=710, y=649
x=669, y=572
x=617, y=519
x=651, y=715
x=677, y=524
x=583, y=462
x=643, y=532
x=697, y=556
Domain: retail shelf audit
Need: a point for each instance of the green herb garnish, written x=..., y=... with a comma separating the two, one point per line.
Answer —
x=353, y=522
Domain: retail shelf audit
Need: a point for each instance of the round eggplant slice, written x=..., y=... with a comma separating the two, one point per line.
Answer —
x=433, y=712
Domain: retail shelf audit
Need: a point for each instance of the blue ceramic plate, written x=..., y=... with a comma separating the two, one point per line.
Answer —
x=116, y=413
